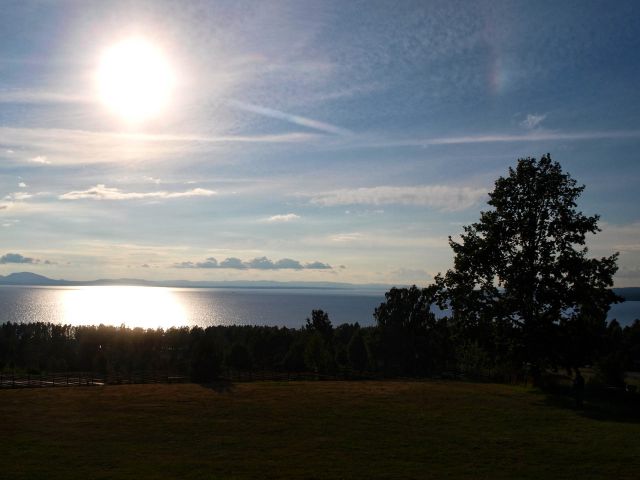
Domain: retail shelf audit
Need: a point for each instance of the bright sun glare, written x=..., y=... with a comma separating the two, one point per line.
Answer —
x=134, y=80
x=145, y=307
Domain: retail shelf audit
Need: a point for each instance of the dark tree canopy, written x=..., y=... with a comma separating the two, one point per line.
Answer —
x=523, y=268
x=412, y=340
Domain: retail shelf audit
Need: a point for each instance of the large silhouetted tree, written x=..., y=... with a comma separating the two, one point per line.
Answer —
x=522, y=282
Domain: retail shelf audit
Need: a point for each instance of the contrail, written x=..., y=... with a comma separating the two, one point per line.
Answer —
x=296, y=119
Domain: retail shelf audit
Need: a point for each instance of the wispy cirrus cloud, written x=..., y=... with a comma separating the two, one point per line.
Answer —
x=532, y=136
x=532, y=120
x=440, y=197
x=258, y=263
x=102, y=192
x=283, y=218
x=72, y=146
x=41, y=159
x=24, y=96
x=288, y=117
x=346, y=237
x=18, y=196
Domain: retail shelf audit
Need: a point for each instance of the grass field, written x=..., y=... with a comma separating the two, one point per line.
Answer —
x=309, y=430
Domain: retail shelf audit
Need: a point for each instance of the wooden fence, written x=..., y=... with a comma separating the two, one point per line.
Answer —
x=82, y=379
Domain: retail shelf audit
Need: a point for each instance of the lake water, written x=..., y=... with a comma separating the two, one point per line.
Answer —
x=152, y=307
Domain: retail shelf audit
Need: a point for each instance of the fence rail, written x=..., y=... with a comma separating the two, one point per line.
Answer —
x=87, y=379
x=82, y=379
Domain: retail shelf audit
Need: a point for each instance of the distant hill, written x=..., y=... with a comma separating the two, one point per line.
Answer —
x=28, y=278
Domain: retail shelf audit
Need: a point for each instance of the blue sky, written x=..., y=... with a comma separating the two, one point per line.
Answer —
x=307, y=141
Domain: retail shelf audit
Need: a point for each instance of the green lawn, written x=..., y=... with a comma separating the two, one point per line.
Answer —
x=309, y=430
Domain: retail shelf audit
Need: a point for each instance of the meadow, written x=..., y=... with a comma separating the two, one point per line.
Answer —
x=390, y=429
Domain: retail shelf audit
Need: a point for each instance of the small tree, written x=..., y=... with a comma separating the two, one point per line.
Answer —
x=523, y=269
x=319, y=322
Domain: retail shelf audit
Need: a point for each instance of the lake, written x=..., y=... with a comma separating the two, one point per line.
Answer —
x=151, y=307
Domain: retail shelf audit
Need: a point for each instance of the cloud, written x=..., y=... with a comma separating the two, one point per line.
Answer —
x=102, y=192
x=17, y=258
x=41, y=159
x=533, y=136
x=295, y=119
x=39, y=96
x=288, y=263
x=533, y=120
x=441, y=197
x=319, y=266
x=261, y=263
x=18, y=196
x=288, y=217
x=232, y=262
x=22, y=185
x=208, y=263
x=258, y=263
x=345, y=237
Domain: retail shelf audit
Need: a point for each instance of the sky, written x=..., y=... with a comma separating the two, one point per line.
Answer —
x=305, y=140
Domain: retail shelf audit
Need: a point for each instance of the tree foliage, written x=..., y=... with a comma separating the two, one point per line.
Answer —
x=522, y=277
x=411, y=339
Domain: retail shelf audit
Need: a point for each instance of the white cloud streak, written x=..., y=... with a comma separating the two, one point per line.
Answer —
x=41, y=159
x=534, y=136
x=18, y=196
x=18, y=96
x=69, y=146
x=288, y=117
x=288, y=217
x=440, y=197
x=533, y=120
x=102, y=192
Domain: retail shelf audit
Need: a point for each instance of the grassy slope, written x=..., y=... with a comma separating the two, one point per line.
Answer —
x=307, y=430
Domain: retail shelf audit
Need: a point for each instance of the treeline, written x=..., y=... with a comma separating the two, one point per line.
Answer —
x=407, y=340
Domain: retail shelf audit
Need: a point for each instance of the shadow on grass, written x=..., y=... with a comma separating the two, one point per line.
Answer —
x=613, y=406
x=219, y=386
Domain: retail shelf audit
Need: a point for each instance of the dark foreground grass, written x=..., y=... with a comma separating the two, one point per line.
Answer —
x=308, y=430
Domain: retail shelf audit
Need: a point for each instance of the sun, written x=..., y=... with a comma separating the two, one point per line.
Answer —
x=134, y=80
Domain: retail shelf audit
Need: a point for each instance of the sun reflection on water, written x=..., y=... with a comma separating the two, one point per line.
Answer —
x=146, y=307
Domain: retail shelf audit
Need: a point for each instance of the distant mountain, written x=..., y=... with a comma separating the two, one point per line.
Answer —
x=28, y=278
